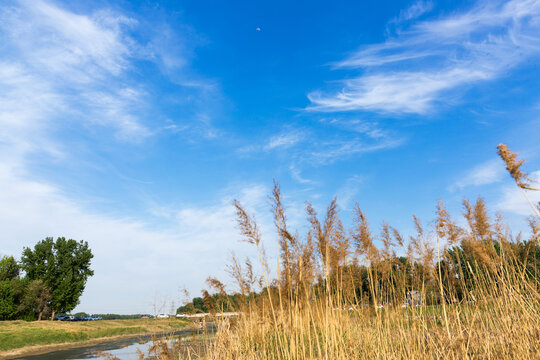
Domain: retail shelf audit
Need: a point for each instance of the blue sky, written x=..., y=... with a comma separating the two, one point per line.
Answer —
x=133, y=125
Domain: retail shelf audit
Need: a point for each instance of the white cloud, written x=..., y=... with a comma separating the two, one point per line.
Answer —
x=134, y=259
x=58, y=66
x=416, y=68
x=408, y=92
x=284, y=140
x=345, y=138
x=26, y=102
x=64, y=71
x=348, y=191
x=415, y=10
x=69, y=44
x=297, y=175
x=489, y=172
x=369, y=128
x=332, y=151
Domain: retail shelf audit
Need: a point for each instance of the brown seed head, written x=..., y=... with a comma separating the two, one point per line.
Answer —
x=513, y=166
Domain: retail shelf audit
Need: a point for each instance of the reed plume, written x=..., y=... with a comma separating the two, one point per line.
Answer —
x=478, y=298
x=513, y=165
x=447, y=292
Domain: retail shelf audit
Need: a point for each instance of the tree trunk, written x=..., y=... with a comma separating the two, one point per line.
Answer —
x=39, y=316
x=52, y=316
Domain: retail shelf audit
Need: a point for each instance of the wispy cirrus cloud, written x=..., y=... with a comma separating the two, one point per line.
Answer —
x=415, y=10
x=333, y=139
x=284, y=140
x=68, y=81
x=489, y=172
x=287, y=138
x=198, y=236
x=297, y=175
x=329, y=152
x=349, y=190
x=350, y=137
x=331, y=149
x=338, y=139
x=369, y=129
x=418, y=66
x=60, y=67
x=69, y=45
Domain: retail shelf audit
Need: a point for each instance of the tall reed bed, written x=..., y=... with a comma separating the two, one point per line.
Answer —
x=448, y=292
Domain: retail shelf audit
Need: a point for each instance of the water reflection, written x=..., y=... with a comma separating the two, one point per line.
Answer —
x=123, y=349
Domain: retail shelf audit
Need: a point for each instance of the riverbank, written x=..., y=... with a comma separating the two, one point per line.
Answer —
x=19, y=338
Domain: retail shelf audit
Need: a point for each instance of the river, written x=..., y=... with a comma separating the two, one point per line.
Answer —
x=123, y=349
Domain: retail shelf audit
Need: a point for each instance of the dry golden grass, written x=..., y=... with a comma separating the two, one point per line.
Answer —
x=313, y=312
x=339, y=296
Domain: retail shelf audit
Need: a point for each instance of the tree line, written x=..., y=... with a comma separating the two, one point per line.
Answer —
x=443, y=263
x=49, y=279
x=390, y=280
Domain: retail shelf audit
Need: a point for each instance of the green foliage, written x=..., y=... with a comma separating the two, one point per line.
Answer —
x=186, y=309
x=19, y=288
x=398, y=280
x=217, y=302
x=9, y=269
x=36, y=298
x=64, y=266
x=8, y=308
x=198, y=304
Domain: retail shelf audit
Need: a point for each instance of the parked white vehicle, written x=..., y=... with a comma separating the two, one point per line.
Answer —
x=162, y=316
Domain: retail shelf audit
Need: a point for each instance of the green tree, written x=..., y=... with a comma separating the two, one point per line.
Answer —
x=8, y=308
x=37, y=296
x=186, y=309
x=64, y=266
x=9, y=269
x=198, y=304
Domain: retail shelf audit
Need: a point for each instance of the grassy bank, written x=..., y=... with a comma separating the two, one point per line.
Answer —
x=18, y=334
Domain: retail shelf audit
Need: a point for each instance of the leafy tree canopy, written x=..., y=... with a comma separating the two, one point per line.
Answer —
x=7, y=300
x=63, y=265
x=9, y=269
x=36, y=298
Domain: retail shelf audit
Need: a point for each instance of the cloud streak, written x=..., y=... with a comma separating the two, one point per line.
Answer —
x=137, y=254
x=417, y=9
x=336, y=150
x=417, y=67
x=489, y=172
x=58, y=66
x=69, y=82
x=284, y=140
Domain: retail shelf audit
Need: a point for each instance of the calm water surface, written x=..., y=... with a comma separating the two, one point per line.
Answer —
x=124, y=349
